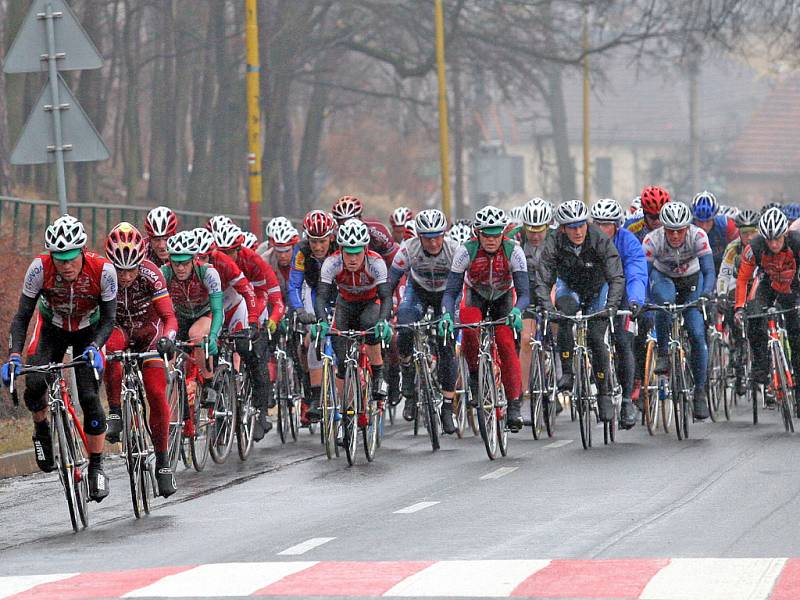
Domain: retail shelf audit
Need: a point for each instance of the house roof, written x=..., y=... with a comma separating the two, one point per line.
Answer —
x=770, y=142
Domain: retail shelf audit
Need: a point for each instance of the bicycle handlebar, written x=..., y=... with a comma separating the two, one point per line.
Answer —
x=122, y=355
x=773, y=312
x=48, y=368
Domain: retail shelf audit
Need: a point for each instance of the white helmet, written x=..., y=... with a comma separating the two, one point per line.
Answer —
x=65, y=234
x=675, y=215
x=228, y=236
x=488, y=217
x=400, y=216
x=352, y=234
x=204, y=239
x=411, y=228
x=282, y=232
x=515, y=214
x=537, y=212
x=571, y=212
x=460, y=233
x=215, y=223
x=773, y=224
x=276, y=222
x=182, y=243
x=250, y=240
x=607, y=210
x=161, y=221
x=431, y=222
x=636, y=205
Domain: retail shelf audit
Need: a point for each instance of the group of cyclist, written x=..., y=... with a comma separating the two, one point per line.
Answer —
x=163, y=285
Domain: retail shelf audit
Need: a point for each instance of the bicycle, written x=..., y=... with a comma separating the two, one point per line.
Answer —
x=360, y=411
x=428, y=390
x=720, y=390
x=584, y=399
x=491, y=411
x=330, y=429
x=69, y=439
x=193, y=449
x=679, y=384
x=463, y=410
x=221, y=400
x=542, y=389
x=137, y=441
x=287, y=390
x=655, y=408
x=781, y=372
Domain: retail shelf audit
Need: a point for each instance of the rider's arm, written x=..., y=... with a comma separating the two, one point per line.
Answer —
x=614, y=273
x=727, y=269
x=634, y=266
x=326, y=288
x=455, y=280
x=746, y=268
x=294, y=285
x=213, y=284
x=706, y=259
x=400, y=266
x=519, y=273
x=19, y=324
x=377, y=269
x=545, y=275
x=107, y=304
x=274, y=296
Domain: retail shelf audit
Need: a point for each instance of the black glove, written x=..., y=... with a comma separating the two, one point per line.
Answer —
x=635, y=309
x=166, y=347
x=305, y=317
x=612, y=311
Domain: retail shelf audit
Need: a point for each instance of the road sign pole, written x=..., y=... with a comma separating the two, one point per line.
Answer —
x=61, y=181
x=443, y=134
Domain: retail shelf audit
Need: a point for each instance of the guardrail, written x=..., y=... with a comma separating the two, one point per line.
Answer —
x=25, y=219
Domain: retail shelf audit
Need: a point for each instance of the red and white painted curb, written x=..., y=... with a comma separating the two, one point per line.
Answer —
x=646, y=579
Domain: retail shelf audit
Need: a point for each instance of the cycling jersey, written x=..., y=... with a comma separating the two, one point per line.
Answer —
x=491, y=275
x=355, y=286
x=381, y=240
x=235, y=286
x=144, y=308
x=71, y=305
x=681, y=261
x=638, y=226
x=428, y=271
x=634, y=265
x=722, y=233
x=268, y=290
x=192, y=298
x=726, y=280
x=305, y=269
x=779, y=268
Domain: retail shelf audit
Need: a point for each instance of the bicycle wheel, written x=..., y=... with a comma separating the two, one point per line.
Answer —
x=677, y=389
x=81, y=475
x=688, y=386
x=245, y=414
x=487, y=402
x=133, y=452
x=781, y=380
x=175, y=403
x=295, y=399
x=66, y=467
x=650, y=389
x=222, y=430
x=330, y=416
x=610, y=427
x=281, y=392
x=461, y=401
x=582, y=401
x=352, y=383
x=203, y=425
x=536, y=392
x=426, y=391
x=715, y=380
x=371, y=407
x=500, y=411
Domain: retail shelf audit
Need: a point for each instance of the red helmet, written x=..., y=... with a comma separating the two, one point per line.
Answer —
x=125, y=246
x=653, y=198
x=318, y=224
x=347, y=207
x=161, y=221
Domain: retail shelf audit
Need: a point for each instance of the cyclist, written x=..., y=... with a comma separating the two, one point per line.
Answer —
x=399, y=220
x=493, y=268
x=196, y=291
x=309, y=256
x=460, y=233
x=250, y=240
x=380, y=240
x=159, y=224
x=282, y=240
x=364, y=299
x=721, y=230
x=792, y=212
x=586, y=269
x=776, y=253
x=652, y=199
x=428, y=258
x=635, y=208
x=747, y=222
x=215, y=222
x=145, y=322
x=608, y=215
x=681, y=269
x=76, y=294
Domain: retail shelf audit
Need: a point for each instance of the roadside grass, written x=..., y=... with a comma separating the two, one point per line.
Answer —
x=15, y=434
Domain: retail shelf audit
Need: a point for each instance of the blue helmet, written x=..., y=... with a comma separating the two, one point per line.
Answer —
x=792, y=211
x=705, y=206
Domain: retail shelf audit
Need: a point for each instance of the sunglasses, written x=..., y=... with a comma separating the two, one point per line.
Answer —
x=538, y=229
x=490, y=235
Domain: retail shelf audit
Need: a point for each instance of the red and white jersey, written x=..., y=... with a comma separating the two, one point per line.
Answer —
x=355, y=286
x=71, y=305
x=676, y=262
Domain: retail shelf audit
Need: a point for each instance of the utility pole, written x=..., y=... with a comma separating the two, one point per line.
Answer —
x=443, y=133
x=586, y=146
x=694, y=139
x=253, y=116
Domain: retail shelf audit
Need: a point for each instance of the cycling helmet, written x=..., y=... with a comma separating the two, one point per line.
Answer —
x=491, y=220
x=410, y=229
x=728, y=211
x=125, y=246
x=182, y=246
x=636, y=205
x=430, y=223
x=572, y=212
x=228, y=237
x=705, y=206
x=769, y=205
x=204, y=240
x=160, y=221
x=607, y=210
x=319, y=224
x=515, y=214
x=653, y=198
x=773, y=224
x=352, y=236
x=65, y=238
x=214, y=223
x=283, y=233
x=460, y=233
x=747, y=217
x=792, y=211
x=250, y=240
x=400, y=216
x=277, y=223
x=347, y=207
x=675, y=215
x=537, y=213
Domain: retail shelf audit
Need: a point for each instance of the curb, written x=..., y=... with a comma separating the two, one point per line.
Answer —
x=19, y=463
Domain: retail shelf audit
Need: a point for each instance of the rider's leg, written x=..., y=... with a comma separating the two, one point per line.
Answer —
x=409, y=310
x=567, y=303
x=662, y=290
x=113, y=380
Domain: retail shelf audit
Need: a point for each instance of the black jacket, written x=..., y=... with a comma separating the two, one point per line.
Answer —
x=584, y=273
